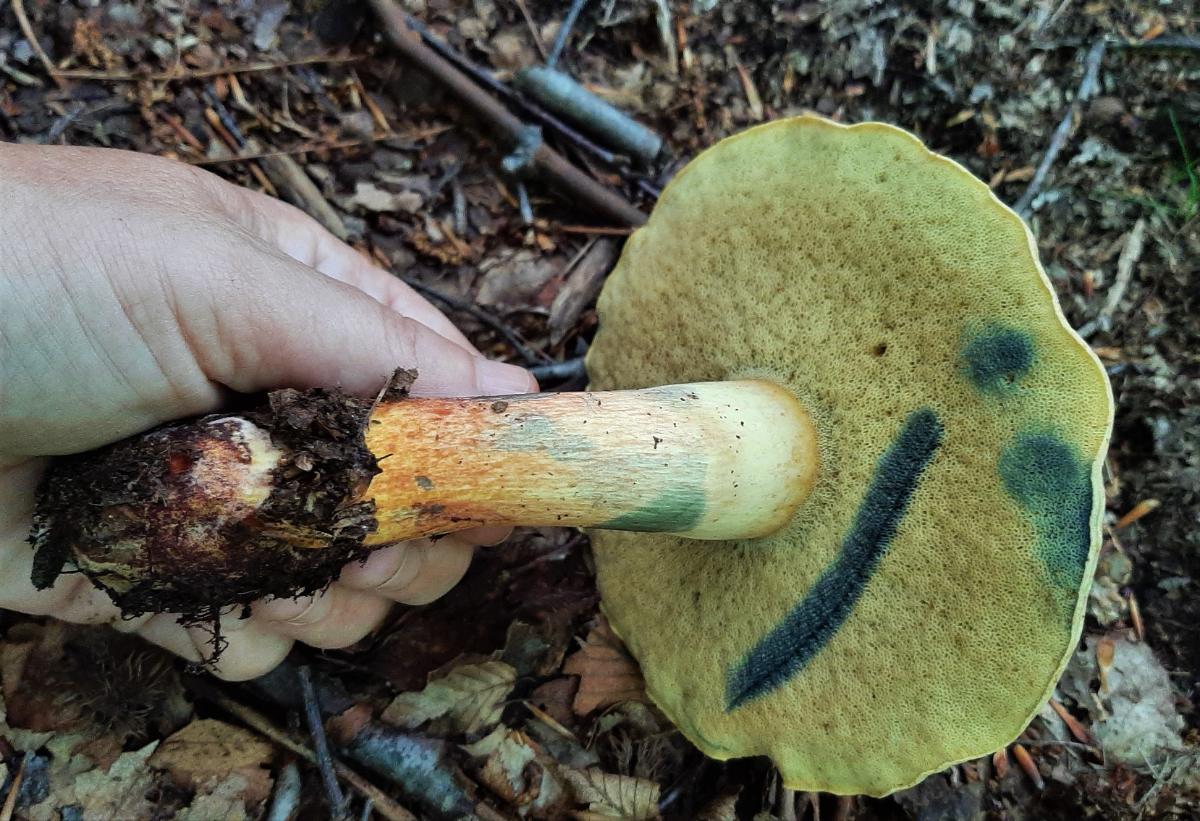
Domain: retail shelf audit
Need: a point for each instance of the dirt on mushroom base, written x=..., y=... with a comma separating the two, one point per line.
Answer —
x=138, y=518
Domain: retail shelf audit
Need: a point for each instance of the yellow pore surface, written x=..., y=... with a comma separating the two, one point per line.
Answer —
x=890, y=629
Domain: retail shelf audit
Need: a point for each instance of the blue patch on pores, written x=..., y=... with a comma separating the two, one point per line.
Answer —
x=1046, y=477
x=996, y=358
x=809, y=626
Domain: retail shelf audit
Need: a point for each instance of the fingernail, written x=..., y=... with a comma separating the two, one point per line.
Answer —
x=499, y=379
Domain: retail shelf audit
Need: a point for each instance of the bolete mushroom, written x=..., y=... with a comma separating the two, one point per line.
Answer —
x=875, y=412
x=922, y=602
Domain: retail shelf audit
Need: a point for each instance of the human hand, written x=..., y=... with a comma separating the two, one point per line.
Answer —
x=135, y=290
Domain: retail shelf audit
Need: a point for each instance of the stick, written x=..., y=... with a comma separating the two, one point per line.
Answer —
x=202, y=73
x=559, y=371
x=256, y=721
x=1130, y=254
x=327, y=145
x=287, y=794
x=298, y=188
x=485, y=79
x=14, y=789
x=312, y=716
x=545, y=162
x=1087, y=87
x=564, y=32
x=27, y=29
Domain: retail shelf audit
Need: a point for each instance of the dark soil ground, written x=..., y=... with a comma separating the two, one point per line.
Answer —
x=414, y=181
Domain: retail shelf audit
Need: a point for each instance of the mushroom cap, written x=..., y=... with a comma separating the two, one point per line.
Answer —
x=923, y=601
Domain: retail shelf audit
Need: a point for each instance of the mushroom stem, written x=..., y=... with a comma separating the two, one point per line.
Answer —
x=716, y=460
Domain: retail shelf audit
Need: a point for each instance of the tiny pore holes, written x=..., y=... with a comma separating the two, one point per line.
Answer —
x=880, y=349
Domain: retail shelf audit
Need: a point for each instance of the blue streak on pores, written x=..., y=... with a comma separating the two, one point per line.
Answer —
x=785, y=651
x=995, y=359
x=1046, y=477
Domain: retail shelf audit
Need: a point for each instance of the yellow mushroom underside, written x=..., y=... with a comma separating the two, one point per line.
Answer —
x=921, y=604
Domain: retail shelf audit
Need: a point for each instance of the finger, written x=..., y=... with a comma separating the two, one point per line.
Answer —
x=288, y=325
x=165, y=631
x=337, y=617
x=415, y=572
x=485, y=536
x=307, y=241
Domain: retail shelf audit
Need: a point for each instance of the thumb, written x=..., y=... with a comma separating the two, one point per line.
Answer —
x=287, y=325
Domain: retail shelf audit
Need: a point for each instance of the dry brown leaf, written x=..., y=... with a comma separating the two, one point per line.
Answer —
x=119, y=792
x=555, y=697
x=470, y=697
x=581, y=287
x=607, y=673
x=613, y=796
x=226, y=800
x=513, y=279
x=205, y=753
x=519, y=771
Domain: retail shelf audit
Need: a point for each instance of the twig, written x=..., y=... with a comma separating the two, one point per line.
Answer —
x=1087, y=87
x=1166, y=42
x=316, y=728
x=299, y=189
x=328, y=145
x=602, y=230
x=14, y=789
x=384, y=804
x=485, y=79
x=545, y=161
x=287, y=794
x=559, y=371
x=1130, y=254
x=533, y=30
x=36, y=47
x=564, y=32
x=663, y=18
x=202, y=73
x=530, y=356
x=523, y=203
x=787, y=804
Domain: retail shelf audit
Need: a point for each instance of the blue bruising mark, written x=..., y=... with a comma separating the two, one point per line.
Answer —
x=810, y=625
x=997, y=358
x=677, y=510
x=1046, y=477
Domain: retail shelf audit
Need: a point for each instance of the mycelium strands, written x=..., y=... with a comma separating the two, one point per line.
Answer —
x=704, y=461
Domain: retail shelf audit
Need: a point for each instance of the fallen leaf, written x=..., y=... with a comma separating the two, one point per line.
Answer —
x=519, y=772
x=607, y=673
x=1144, y=724
x=203, y=755
x=226, y=800
x=121, y=790
x=471, y=698
x=581, y=287
x=514, y=279
x=613, y=796
x=555, y=697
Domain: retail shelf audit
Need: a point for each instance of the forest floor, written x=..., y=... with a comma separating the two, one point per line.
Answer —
x=539, y=712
